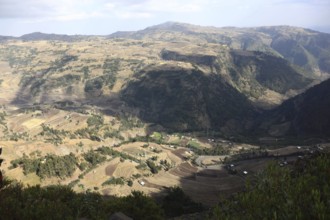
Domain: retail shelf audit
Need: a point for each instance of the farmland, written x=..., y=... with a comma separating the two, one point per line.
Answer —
x=117, y=164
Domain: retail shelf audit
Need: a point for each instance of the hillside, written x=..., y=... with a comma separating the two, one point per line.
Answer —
x=303, y=47
x=83, y=69
x=113, y=73
x=306, y=115
x=186, y=99
x=210, y=91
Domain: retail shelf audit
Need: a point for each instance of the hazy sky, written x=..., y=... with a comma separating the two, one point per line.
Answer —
x=18, y=17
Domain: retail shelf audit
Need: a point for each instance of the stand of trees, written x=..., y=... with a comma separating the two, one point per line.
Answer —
x=60, y=202
x=301, y=192
x=48, y=166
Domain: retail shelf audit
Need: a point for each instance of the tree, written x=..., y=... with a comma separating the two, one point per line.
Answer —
x=139, y=206
x=177, y=203
x=301, y=192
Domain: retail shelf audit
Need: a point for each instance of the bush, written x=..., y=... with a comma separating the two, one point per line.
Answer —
x=141, y=166
x=93, y=85
x=95, y=120
x=153, y=168
x=93, y=157
x=73, y=183
x=83, y=166
x=114, y=181
x=157, y=137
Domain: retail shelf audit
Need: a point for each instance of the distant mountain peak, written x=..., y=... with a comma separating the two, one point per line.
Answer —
x=170, y=25
x=44, y=36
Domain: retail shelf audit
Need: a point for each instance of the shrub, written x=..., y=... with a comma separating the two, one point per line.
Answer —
x=93, y=157
x=114, y=181
x=95, y=120
x=153, y=168
x=93, y=85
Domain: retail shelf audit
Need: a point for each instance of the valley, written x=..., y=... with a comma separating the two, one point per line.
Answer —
x=115, y=156
x=202, y=108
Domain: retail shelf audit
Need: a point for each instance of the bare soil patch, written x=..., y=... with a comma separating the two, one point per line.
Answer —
x=110, y=169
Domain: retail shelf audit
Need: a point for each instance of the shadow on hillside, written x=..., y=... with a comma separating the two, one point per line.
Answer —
x=178, y=100
x=205, y=186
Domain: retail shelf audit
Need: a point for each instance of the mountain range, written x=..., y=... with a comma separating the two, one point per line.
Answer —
x=183, y=77
x=303, y=47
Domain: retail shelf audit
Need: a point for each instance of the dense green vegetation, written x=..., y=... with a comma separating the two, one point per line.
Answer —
x=184, y=100
x=298, y=191
x=157, y=137
x=301, y=192
x=177, y=203
x=247, y=154
x=60, y=202
x=111, y=152
x=216, y=150
x=114, y=181
x=93, y=157
x=153, y=168
x=93, y=85
x=307, y=114
x=53, y=165
x=48, y=166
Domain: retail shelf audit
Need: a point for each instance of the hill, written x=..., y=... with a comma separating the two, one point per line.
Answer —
x=303, y=47
x=231, y=76
x=306, y=115
x=185, y=99
x=209, y=91
x=37, y=36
